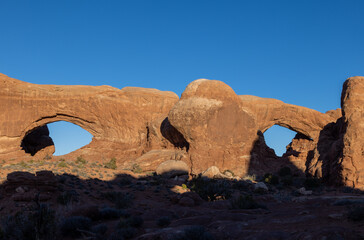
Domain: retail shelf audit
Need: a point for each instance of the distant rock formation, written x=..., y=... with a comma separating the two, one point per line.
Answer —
x=210, y=125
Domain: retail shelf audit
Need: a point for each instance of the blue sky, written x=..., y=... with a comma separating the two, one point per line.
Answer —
x=296, y=51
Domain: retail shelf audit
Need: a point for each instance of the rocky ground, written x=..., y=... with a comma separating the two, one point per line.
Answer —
x=61, y=199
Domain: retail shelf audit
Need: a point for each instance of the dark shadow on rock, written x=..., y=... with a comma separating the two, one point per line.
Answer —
x=36, y=140
x=173, y=135
x=264, y=160
x=330, y=149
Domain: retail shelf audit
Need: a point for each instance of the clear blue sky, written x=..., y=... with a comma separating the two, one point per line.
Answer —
x=296, y=51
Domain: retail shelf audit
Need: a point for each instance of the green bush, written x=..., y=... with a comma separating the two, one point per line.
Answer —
x=80, y=160
x=136, y=168
x=211, y=189
x=111, y=164
x=271, y=179
x=62, y=164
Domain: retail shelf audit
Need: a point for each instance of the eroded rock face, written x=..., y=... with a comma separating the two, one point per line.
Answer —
x=117, y=119
x=210, y=117
x=209, y=126
x=352, y=102
x=225, y=130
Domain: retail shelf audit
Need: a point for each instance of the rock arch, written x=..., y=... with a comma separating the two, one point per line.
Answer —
x=269, y=112
x=224, y=129
x=217, y=126
x=116, y=118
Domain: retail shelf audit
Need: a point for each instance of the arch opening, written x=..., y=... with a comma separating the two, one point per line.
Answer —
x=277, y=138
x=63, y=136
x=68, y=137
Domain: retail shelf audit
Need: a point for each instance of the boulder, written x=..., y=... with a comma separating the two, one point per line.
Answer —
x=260, y=186
x=154, y=158
x=172, y=168
x=212, y=172
x=210, y=117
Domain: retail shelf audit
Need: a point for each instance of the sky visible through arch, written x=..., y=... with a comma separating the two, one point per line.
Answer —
x=299, y=52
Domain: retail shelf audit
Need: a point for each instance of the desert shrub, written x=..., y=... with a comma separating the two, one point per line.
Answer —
x=47, y=157
x=271, y=179
x=134, y=222
x=356, y=213
x=124, y=233
x=251, y=178
x=163, y=221
x=111, y=164
x=62, y=164
x=245, y=202
x=37, y=223
x=120, y=199
x=136, y=168
x=284, y=171
x=311, y=183
x=194, y=233
x=18, y=227
x=100, y=229
x=68, y=196
x=71, y=226
x=211, y=189
x=45, y=222
x=80, y=160
x=110, y=213
x=24, y=164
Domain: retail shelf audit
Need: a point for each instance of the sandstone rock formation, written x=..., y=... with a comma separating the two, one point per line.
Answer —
x=210, y=125
x=225, y=130
x=352, y=103
x=219, y=131
x=117, y=119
